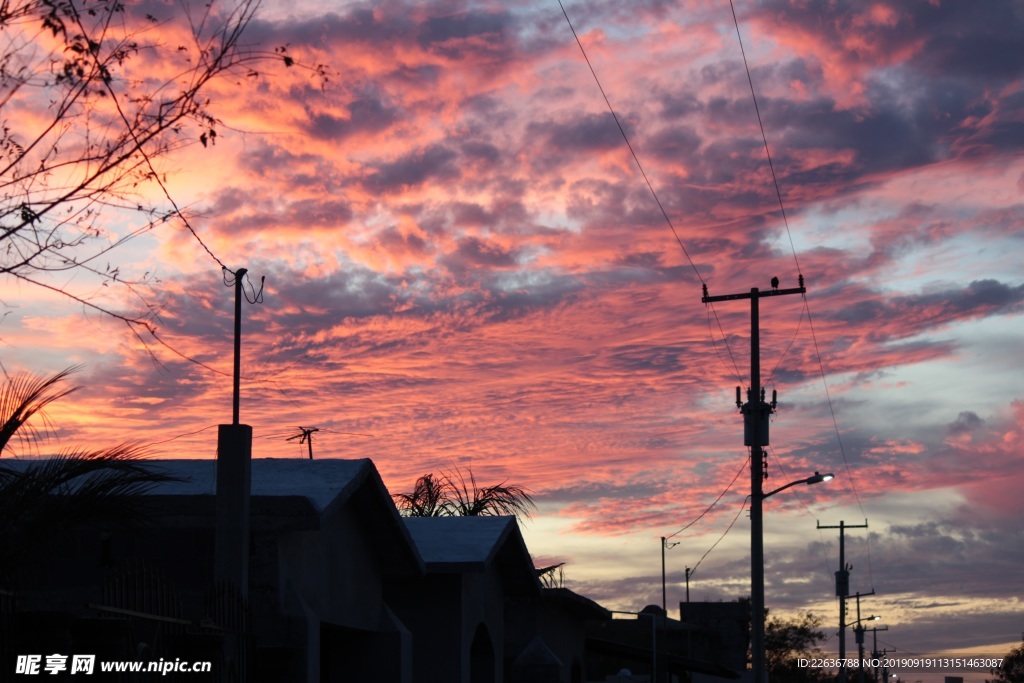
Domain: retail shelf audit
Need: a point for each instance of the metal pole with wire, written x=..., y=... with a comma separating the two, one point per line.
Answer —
x=239, y=274
x=234, y=467
x=665, y=545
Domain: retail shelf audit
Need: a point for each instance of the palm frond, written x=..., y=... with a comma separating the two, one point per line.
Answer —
x=552, y=576
x=23, y=397
x=425, y=500
x=454, y=493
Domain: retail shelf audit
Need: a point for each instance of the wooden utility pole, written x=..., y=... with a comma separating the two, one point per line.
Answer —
x=875, y=653
x=859, y=629
x=664, y=593
x=755, y=426
x=843, y=586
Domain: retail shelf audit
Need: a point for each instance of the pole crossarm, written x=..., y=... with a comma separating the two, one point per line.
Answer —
x=747, y=295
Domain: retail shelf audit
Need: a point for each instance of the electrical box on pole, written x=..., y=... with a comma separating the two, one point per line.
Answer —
x=756, y=419
x=842, y=583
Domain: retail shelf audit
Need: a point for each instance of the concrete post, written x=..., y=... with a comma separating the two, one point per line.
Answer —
x=234, y=482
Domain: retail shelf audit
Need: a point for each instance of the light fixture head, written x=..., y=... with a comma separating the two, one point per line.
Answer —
x=819, y=477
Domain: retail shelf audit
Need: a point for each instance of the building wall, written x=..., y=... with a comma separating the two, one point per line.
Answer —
x=332, y=573
x=430, y=607
x=483, y=617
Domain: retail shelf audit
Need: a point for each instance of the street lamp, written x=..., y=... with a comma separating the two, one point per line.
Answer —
x=757, y=568
x=873, y=617
x=816, y=479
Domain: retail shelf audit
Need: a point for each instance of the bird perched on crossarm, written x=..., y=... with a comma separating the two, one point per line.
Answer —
x=775, y=283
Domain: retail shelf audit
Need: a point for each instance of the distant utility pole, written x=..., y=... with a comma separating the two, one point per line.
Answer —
x=859, y=633
x=664, y=592
x=843, y=586
x=755, y=426
x=875, y=652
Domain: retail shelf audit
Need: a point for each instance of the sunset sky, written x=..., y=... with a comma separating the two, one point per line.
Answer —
x=465, y=268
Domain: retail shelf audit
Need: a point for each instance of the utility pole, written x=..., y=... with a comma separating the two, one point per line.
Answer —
x=843, y=586
x=858, y=631
x=234, y=467
x=875, y=653
x=664, y=595
x=665, y=545
x=755, y=427
x=239, y=274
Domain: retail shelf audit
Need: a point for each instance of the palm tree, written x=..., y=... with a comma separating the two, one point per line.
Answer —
x=74, y=488
x=450, y=494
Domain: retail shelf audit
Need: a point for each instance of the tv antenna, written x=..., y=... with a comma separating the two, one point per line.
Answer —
x=305, y=436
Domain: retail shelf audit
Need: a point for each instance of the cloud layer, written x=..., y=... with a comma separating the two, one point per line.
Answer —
x=466, y=266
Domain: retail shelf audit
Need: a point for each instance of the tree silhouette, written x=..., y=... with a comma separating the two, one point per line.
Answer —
x=92, y=94
x=1012, y=668
x=787, y=641
x=76, y=487
x=451, y=494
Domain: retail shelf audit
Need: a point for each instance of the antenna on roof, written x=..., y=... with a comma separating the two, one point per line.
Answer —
x=305, y=436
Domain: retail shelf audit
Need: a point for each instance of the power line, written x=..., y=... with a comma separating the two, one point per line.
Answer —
x=643, y=173
x=145, y=155
x=767, y=152
x=628, y=144
x=701, y=515
x=174, y=438
x=839, y=436
x=799, y=323
x=743, y=507
x=736, y=369
x=796, y=260
x=799, y=497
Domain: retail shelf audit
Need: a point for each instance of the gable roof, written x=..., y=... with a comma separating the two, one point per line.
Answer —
x=323, y=486
x=289, y=494
x=467, y=544
x=323, y=482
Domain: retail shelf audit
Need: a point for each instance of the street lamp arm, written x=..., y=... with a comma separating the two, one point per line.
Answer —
x=816, y=479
